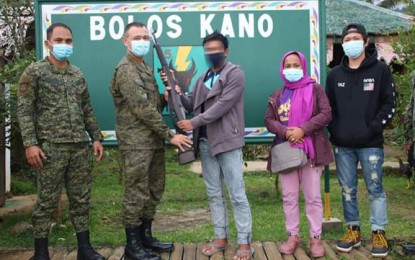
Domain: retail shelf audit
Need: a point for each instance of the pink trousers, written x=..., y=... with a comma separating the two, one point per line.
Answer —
x=309, y=179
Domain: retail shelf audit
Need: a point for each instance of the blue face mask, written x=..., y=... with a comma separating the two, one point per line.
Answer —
x=353, y=49
x=214, y=60
x=62, y=51
x=293, y=75
x=140, y=48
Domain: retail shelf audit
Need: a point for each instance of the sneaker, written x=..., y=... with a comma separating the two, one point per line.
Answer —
x=316, y=247
x=350, y=239
x=290, y=245
x=379, y=243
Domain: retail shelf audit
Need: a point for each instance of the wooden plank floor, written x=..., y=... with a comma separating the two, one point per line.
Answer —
x=263, y=251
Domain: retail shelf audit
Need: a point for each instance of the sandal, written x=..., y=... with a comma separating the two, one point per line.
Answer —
x=211, y=248
x=244, y=254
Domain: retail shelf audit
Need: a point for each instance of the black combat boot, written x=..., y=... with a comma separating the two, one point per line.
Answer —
x=151, y=242
x=409, y=248
x=134, y=250
x=85, y=250
x=41, y=249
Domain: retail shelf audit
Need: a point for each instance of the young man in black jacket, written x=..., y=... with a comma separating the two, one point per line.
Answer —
x=362, y=97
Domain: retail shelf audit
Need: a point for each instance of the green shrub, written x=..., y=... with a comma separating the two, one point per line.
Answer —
x=252, y=152
x=404, y=47
x=22, y=187
x=9, y=74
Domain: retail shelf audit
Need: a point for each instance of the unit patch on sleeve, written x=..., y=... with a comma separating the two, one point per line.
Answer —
x=24, y=84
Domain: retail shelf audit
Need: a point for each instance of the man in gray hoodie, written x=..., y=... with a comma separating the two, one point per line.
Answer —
x=217, y=103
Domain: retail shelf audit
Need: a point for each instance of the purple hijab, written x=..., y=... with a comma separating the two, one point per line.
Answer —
x=301, y=101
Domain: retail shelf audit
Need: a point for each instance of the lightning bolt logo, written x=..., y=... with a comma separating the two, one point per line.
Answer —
x=181, y=58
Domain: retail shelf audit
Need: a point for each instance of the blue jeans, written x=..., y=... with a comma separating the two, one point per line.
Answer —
x=226, y=168
x=371, y=160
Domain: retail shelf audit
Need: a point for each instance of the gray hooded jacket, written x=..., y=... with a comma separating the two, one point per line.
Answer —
x=223, y=113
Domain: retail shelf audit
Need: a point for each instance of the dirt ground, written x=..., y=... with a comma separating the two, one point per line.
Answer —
x=182, y=220
x=163, y=222
x=391, y=151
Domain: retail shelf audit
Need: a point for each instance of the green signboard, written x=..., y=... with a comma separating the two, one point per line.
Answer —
x=259, y=32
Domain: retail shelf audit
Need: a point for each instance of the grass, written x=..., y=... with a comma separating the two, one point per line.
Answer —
x=185, y=191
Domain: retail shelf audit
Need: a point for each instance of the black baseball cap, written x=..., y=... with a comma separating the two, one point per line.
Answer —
x=354, y=28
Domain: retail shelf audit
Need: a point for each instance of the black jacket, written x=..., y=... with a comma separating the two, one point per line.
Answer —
x=362, y=102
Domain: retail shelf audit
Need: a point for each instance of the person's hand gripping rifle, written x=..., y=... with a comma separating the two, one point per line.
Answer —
x=176, y=110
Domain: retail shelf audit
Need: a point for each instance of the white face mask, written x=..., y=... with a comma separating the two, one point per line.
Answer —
x=353, y=49
x=62, y=51
x=293, y=75
x=140, y=48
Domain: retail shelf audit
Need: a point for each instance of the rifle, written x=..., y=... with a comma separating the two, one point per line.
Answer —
x=176, y=110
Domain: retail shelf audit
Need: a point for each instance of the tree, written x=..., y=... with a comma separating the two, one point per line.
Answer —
x=404, y=47
x=390, y=4
x=409, y=5
x=16, y=16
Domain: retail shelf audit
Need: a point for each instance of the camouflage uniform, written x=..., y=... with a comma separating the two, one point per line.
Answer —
x=141, y=133
x=54, y=113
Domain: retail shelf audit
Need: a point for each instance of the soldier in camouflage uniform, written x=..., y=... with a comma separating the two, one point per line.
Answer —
x=141, y=133
x=55, y=113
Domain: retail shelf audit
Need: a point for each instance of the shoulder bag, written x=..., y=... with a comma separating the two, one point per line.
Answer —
x=286, y=159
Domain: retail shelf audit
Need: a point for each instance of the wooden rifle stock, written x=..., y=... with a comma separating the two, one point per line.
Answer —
x=176, y=110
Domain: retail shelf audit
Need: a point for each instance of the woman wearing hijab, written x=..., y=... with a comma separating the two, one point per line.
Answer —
x=298, y=113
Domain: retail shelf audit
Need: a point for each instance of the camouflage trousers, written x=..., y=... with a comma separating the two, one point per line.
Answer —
x=68, y=164
x=144, y=180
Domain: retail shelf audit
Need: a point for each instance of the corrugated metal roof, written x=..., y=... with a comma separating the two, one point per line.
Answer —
x=377, y=20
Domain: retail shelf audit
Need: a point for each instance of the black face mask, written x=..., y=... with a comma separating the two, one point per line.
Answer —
x=214, y=60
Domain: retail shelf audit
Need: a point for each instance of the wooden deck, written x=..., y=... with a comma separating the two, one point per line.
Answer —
x=263, y=251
